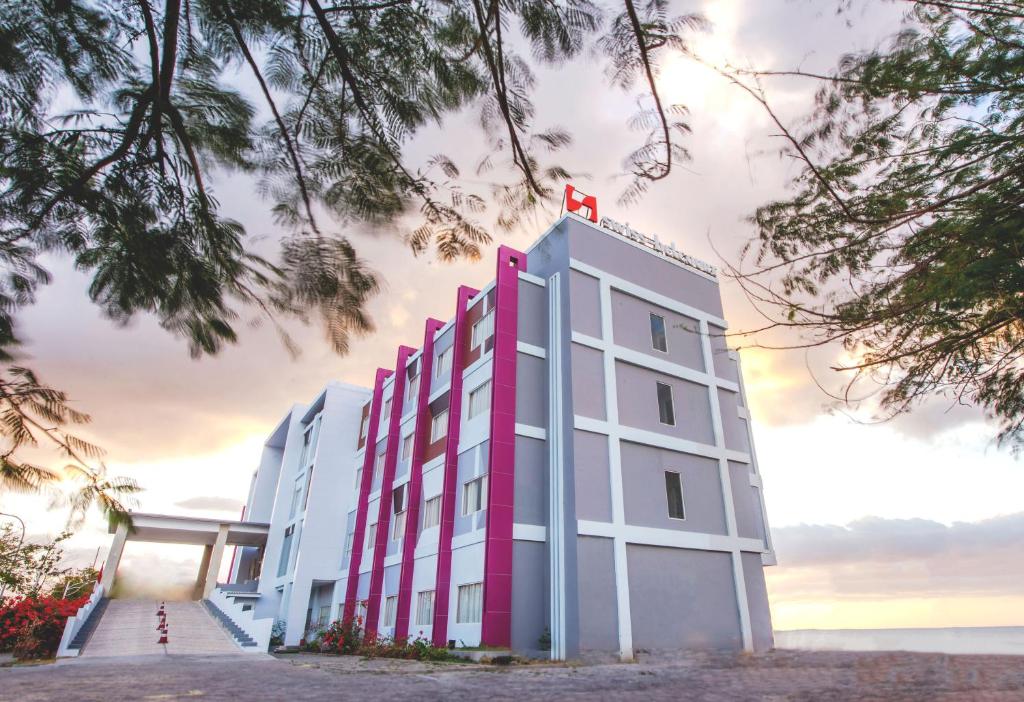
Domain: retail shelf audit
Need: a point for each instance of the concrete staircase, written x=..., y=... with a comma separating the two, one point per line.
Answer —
x=237, y=633
x=128, y=628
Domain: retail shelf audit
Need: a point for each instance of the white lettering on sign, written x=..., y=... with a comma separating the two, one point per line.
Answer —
x=652, y=242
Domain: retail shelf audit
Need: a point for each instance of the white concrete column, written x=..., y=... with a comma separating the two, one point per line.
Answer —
x=216, y=556
x=114, y=557
x=204, y=567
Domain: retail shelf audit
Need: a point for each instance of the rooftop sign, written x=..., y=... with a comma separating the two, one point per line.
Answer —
x=652, y=242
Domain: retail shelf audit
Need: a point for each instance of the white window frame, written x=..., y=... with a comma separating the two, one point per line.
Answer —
x=390, y=610
x=412, y=386
x=682, y=497
x=371, y=536
x=425, y=607
x=664, y=331
x=407, y=442
x=386, y=412
x=671, y=403
x=435, y=423
x=432, y=514
x=364, y=425
x=479, y=399
x=443, y=363
x=474, y=492
x=469, y=603
x=378, y=468
x=483, y=330
x=350, y=540
x=399, y=498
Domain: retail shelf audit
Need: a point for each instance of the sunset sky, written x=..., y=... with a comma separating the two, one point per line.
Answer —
x=916, y=522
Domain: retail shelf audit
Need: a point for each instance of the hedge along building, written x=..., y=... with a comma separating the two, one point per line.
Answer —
x=566, y=463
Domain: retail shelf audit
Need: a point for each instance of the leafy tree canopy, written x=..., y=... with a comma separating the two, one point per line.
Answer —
x=114, y=115
x=904, y=236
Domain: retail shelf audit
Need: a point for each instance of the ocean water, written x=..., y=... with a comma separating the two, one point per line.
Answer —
x=1008, y=640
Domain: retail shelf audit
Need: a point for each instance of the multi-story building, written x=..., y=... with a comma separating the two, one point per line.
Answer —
x=564, y=465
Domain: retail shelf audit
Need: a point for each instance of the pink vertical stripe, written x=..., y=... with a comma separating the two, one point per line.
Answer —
x=415, y=489
x=496, y=629
x=442, y=588
x=359, y=528
x=380, y=547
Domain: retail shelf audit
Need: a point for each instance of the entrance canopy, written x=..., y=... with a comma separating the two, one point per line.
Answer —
x=170, y=529
x=212, y=534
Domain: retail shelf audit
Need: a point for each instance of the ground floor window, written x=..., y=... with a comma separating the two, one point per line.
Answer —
x=425, y=608
x=470, y=606
x=390, y=608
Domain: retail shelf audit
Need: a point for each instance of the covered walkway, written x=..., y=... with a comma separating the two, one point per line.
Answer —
x=214, y=535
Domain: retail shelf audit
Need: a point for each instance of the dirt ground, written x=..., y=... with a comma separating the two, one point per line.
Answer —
x=781, y=675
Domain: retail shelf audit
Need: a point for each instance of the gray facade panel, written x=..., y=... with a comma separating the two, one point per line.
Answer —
x=757, y=602
x=531, y=390
x=734, y=427
x=363, y=588
x=644, y=496
x=599, y=616
x=529, y=594
x=531, y=503
x=391, y=575
x=638, y=404
x=682, y=599
x=748, y=514
x=588, y=395
x=533, y=318
x=631, y=328
x=643, y=267
x=585, y=304
x=725, y=367
x=593, y=491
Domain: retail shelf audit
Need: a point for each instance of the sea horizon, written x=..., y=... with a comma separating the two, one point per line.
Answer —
x=983, y=640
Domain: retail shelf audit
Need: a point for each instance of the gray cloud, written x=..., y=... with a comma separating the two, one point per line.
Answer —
x=891, y=557
x=222, y=504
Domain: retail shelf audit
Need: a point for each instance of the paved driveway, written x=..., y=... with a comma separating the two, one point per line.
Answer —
x=781, y=675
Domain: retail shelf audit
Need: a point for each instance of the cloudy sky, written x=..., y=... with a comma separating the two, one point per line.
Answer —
x=917, y=522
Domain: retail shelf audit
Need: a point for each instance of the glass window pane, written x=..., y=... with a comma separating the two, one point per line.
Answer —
x=674, y=492
x=666, y=410
x=658, y=338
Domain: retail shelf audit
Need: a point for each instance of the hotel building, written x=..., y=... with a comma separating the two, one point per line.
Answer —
x=564, y=468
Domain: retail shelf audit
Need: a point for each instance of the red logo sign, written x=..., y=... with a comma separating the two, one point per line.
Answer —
x=574, y=205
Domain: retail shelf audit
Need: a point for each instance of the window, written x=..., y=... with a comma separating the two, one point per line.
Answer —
x=286, y=551
x=666, y=410
x=474, y=495
x=309, y=481
x=296, y=499
x=674, y=492
x=482, y=330
x=323, y=618
x=444, y=362
x=407, y=447
x=390, y=608
x=398, y=505
x=470, y=607
x=371, y=536
x=412, y=387
x=349, y=542
x=480, y=399
x=386, y=414
x=658, y=338
x=378, y=469
x=364, y=424
x=425, y=608
x=439, y=426
x=432, y=512
x=359, y=477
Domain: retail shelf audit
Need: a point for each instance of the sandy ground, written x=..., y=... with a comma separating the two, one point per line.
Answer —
x=781, y=675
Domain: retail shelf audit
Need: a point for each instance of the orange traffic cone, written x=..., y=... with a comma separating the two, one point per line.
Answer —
x=163, y=637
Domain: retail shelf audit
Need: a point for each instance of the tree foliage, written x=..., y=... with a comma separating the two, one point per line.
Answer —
x=904, y=237
x=115, y=116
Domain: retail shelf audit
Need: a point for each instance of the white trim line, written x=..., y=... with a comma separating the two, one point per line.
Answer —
x=531, y=278
x=653, y=438
x=531, y=349
x=529, y=532
x=645, y=294
x=670, y=538
x=556, y=463
x=531, y=431
x=654, y=363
